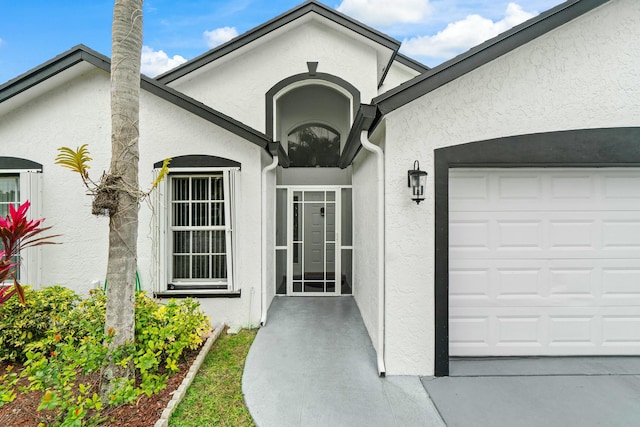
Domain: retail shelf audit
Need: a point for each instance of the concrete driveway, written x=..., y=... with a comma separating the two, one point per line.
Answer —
x=597, y=391
x=313, y=364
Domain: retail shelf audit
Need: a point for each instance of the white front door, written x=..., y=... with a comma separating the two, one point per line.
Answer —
x=312, y=262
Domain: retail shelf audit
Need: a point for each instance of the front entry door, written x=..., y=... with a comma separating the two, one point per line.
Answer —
x=313, y=263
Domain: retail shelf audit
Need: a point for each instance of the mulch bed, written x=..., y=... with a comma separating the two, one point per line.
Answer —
x=144, y=413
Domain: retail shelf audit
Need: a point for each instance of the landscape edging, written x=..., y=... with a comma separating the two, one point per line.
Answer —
x=178, y=395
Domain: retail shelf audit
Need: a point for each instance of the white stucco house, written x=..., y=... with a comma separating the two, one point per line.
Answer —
x=291, y=146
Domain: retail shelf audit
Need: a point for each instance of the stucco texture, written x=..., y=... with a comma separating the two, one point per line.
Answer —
x=583, y=74
x=77, y=112
x=237, y=85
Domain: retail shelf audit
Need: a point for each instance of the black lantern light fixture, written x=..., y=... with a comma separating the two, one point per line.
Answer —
x=417, y=181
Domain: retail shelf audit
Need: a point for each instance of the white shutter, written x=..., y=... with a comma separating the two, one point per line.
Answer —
x=229, y=184
x=31, y=189
x=159, y=244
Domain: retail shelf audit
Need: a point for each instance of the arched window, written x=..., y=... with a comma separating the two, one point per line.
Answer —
x=314, y=145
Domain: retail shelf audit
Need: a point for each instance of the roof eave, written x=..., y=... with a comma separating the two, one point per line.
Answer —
x=482, y=54
x=364, y=118
x=274, y=24
x=82, y=53
x=201, y=110
x=51, y=68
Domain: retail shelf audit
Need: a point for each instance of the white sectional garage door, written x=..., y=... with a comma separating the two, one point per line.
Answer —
x=544, y=262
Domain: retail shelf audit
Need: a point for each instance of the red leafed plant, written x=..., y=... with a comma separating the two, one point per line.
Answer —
x=16, y=234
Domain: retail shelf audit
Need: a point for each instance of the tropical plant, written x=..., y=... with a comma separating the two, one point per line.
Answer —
x=62, y=343
x=24, y=324
x=78, y=161
x=16, y=234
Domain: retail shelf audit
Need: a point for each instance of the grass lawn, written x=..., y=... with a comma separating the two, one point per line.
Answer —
x=215, y=396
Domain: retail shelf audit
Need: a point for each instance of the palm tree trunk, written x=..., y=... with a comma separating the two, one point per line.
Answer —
x=123, y=180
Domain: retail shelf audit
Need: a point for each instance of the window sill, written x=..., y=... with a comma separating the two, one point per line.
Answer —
x=197, y=293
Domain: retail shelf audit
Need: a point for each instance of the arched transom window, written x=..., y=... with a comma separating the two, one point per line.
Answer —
x=314, y=145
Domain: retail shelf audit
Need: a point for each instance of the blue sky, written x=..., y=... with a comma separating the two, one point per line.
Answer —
x=174, y=31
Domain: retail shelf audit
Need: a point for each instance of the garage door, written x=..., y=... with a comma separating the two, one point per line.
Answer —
x=544, y=262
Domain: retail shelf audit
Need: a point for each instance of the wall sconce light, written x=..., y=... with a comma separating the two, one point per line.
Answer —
x=417, y=181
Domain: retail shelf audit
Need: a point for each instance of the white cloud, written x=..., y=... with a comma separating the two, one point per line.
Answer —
x=461, y=35
x=384, y=13
x=155, y=62
x=219, y=36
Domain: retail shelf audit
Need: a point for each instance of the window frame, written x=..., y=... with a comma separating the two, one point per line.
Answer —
x=305, y=126
x=29, y=188
x=164, y=234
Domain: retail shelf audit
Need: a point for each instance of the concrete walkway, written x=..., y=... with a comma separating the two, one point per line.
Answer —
x=313, y=365
x=549, y=392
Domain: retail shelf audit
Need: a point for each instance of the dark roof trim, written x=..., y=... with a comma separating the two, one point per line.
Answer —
x=598, y=147
x=16, y=163
x=355, y=93
x=198, y=161
x=602, y=147
x=272, y=25
x=205, y=112
x=482, y=54
x=363, y=120
x=276, y=149
x=52, y=67
x=81, y=53
x=412, y=63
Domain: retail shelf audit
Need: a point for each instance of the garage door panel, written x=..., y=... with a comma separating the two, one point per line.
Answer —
x=572, y=187
x=573, y=331
x=518, y=187
x=523, y=234
x=621, y=330
x=621, y=235
x=532, y=282
x=546, y=331
x=557, y=189
x=469, y=189
x=470, y=283
x=620, y=280
x=623, y=185
x=470, y=234
x=469, y=332
x=569, y=234
x=544, y=262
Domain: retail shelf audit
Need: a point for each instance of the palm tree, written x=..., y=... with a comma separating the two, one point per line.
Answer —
x=121, y=185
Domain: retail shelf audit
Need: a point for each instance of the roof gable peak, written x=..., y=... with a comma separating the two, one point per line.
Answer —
x=310, y=6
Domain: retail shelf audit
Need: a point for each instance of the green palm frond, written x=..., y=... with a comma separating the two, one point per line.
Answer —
x=77, y=161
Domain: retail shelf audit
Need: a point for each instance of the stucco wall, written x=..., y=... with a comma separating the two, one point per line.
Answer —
x=71, y=115
x=398, y=74
x=169, y=131
x=270, y=218
x=584, y=74
x=77, y=113
x=237, y=86
x=365, y=241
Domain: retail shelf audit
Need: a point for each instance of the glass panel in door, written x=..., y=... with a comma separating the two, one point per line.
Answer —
x=313, y=243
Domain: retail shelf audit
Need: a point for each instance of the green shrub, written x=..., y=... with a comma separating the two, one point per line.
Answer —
x=72, y=344
x=23, y=325
x=164, y=331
